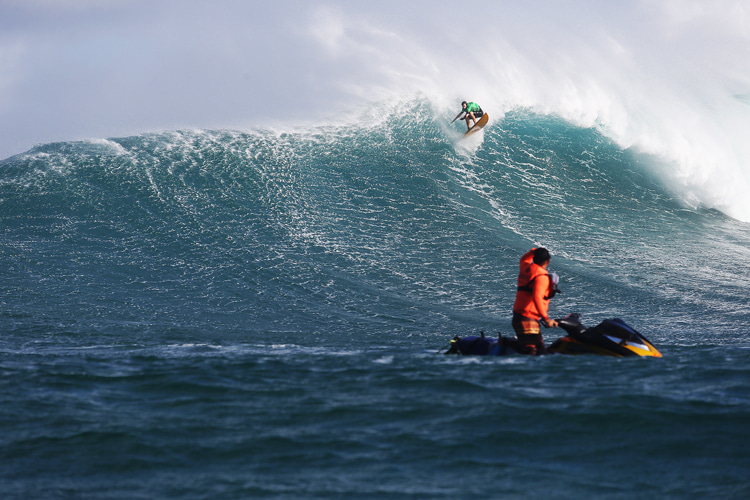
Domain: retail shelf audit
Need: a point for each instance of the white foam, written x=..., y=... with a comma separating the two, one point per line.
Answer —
x=661, y=78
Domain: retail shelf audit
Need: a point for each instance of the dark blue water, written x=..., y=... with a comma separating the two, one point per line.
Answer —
x=259, y=315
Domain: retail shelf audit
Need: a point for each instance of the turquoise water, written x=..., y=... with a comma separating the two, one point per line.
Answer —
x=220, y=314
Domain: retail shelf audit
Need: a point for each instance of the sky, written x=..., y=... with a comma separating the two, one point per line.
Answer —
x=671, y=77
x=78, y=69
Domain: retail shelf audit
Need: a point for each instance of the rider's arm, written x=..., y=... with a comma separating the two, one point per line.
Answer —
x=541, y=287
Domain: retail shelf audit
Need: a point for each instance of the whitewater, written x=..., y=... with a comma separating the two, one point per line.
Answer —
x=261, y=311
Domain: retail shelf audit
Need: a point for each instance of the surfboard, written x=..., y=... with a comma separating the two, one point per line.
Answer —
x=478, y=125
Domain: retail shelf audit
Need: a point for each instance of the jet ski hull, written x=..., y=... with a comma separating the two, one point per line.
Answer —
x=611, y=337
x=567, y=345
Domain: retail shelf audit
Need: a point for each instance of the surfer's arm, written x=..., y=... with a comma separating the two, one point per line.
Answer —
x=456, y=118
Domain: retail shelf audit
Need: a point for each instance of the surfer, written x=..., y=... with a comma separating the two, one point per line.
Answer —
x=535, y=289
x=471, y=111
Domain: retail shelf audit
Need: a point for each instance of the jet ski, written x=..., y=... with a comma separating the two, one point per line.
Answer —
x=611, y=337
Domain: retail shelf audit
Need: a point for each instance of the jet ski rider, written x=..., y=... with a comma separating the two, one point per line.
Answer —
x=535, y=289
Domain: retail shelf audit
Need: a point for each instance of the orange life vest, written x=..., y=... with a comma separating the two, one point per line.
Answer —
x=528, y=286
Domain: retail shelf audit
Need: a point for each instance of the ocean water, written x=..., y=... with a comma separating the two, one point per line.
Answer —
x=262, y=314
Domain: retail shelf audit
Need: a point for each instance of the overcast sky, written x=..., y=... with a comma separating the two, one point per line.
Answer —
x=79, y=69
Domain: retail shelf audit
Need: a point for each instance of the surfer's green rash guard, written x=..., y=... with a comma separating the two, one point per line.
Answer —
x=472, y=106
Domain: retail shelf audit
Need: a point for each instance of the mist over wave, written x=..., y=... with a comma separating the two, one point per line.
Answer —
x=664, y=78
x=661, y=78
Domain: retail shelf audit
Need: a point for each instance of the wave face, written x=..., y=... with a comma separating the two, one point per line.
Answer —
x=341, y=225
x=265, y=282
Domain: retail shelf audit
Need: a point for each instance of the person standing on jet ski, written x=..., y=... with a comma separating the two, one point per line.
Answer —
x=535, y=289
